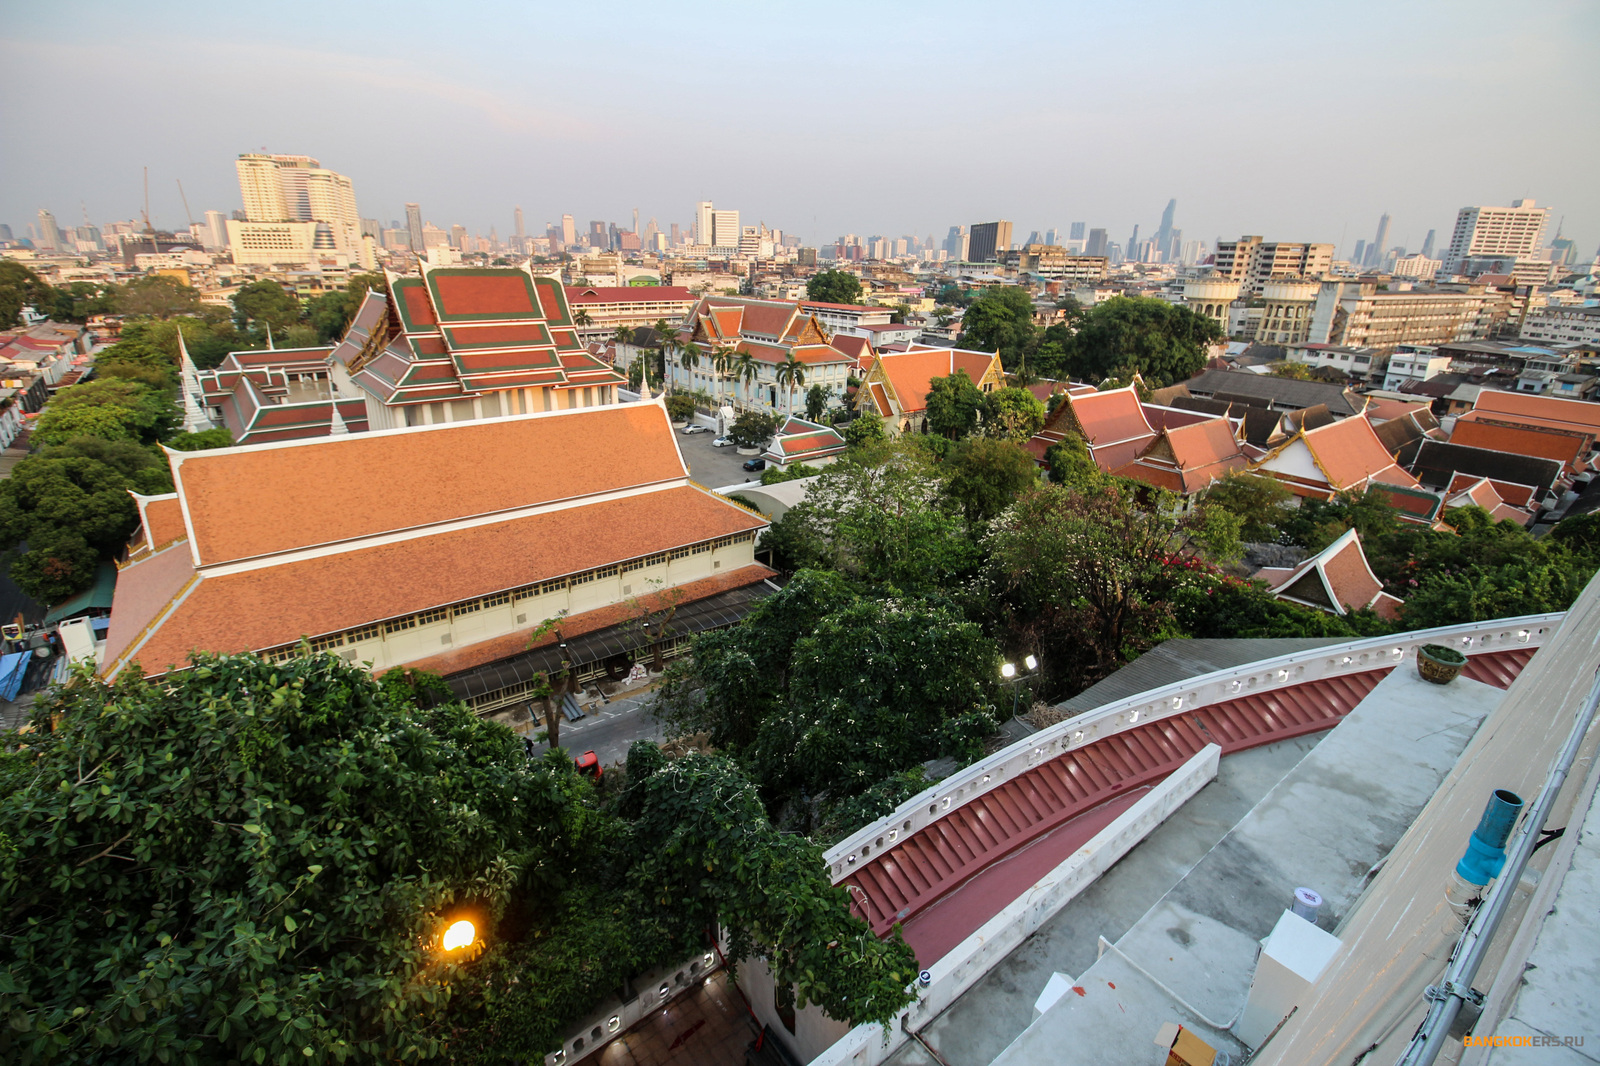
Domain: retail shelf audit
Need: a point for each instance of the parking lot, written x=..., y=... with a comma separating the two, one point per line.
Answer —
x=713, y=467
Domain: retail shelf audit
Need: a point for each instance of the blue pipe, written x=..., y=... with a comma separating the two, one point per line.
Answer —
x=1486, y=853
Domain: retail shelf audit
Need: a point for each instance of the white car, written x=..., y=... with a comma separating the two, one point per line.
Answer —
x=696, y=429
x=722, y=442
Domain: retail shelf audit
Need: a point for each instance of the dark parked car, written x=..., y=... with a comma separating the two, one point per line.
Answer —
x=755, y=464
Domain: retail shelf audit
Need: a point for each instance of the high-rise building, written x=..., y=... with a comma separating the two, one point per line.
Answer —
x=1374, y=256
x=988, y=240
x=569, y=230
x=49, y=233
x=955, y=243
x=1427, y=245
x=1052, y=236
x=517, y=229
x=1516, y=230
x=1097, y=243
x=458, y=238
x=636, y=220
x=5, y=232
x=414, y=227
x=725, y=229
x=702, y=222
x=1076, y=233
x=1359, y=255
x=1166, y=244
x=279, y=189
x=675, y=237
x=1133, y=243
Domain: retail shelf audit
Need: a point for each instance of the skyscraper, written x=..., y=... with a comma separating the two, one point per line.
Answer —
x=702, y=223
x=49, y=232
x=725, y=229
x=1076, y=233
x=1097, y=243
x=217, y=223
x=1133, y=242
x=1375, y=250
x=414, y=227
x=1165, y=246
x=988, y=240
x=636, y=220
x=519, y=232
x=1427, y=245
x=569, y=230
x=1516, y=230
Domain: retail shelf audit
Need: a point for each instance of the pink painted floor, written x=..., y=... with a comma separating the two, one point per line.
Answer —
x=960, y=913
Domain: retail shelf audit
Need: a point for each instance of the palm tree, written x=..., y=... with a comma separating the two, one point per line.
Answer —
x=689, y=359
x=722, y=360
x=791, y=372
x=582, y=318
x=746, y=369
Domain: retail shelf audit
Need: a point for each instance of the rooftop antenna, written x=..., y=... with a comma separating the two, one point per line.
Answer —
x=185, y=199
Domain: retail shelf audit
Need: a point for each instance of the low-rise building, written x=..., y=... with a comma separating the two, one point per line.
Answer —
x=897, y=383
x=800, y=441
x=1342, y=456
x=603, y=310
x=1112, y=425
x=503, y=524
x=1540, y=426
x=1338, y=580
x=1361, y=314
x=1554, y=324
x=848, y=318
x=1413, y=362
x=770, y=332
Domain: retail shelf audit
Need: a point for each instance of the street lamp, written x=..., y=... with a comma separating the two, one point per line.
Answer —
x=1008, y=671
x=459, y=935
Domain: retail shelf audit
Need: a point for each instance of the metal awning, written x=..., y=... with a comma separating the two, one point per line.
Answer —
x=625, y=639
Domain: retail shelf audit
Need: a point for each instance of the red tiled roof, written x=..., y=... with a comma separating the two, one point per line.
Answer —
x=1186, y=459
x=479, y=295
x=1336, y=579
x=1510, y=492
x=247, y=502
x=1111, y=417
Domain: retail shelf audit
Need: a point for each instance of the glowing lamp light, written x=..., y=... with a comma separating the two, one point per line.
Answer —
x=460, y=935
x=1008, y=670
x=1031, y=663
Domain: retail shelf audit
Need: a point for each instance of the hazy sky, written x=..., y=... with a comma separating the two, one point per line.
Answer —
x=1295, y=121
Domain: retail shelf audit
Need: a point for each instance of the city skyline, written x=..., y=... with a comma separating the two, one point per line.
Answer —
x=1077, y=136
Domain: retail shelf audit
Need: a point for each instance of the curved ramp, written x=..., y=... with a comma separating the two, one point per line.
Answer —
x=898, y=883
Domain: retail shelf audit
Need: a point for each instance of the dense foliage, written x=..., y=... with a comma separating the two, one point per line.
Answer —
x=254, y=862
x=834, y=287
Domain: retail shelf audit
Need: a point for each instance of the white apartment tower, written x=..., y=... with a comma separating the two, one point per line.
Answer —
x=1516, y=230
x=295, y=210
x=702, y=222
x=725, y=230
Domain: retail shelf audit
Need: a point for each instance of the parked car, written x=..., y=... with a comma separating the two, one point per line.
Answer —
x=696, y=429
x=722, y=442
x=755, y=464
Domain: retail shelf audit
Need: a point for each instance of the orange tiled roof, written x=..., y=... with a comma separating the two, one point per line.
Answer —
x=271, y=605
x=1509, y=406
x=163, y=521
x=248, y=502
x=1336, y=579
x=591, y=294
x=1517, y=440
x=1349, y=454
x=1186, y=459
x=911, y=373
x=1512, y=493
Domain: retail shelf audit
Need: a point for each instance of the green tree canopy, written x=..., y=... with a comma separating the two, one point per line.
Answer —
x=157, y=296
x=1001, y=320
x=866, y=428
x=1013, y=414
x=112, y=409
x=252, y=860
x=834, y=287
x=70, y=505
x=752, y=429
x=1164, y=342
x=816, y=402
x=1261, y=503
x=984, y=476
x=331, y=313
x=265, y=303
x=20, y=287
x=204, y=440
x=954, y=405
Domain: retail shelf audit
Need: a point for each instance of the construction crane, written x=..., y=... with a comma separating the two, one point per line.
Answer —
x=185, y=201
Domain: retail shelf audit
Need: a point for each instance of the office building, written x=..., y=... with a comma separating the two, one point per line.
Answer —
x=987, y=240
x=1359, y=314
x=295, y=211
x=1165, y=235
x=569, y=230
x=1374, y=257
x=1253, y=261
x=49, y=233
x=1516, y=230
x=1076, y=232
x=1427, y=244
x=1055, y=263
x=725, y=230
x=414, y=227
x=702, y=222
x=1097, y=242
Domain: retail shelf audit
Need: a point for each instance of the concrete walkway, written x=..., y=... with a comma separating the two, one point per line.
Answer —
x=708, y=1026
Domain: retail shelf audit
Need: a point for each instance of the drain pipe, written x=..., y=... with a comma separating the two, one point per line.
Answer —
x=929, y=1048
x=1447, y=997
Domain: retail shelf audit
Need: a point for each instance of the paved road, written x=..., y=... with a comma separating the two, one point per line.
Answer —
x=611, y=731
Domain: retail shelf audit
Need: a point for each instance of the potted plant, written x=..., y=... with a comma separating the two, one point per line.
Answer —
x=1439, y=664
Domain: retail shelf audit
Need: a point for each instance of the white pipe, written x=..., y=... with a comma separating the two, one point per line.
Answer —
x=1106, y=945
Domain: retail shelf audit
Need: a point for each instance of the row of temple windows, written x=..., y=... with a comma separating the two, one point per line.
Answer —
x=377, y=630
